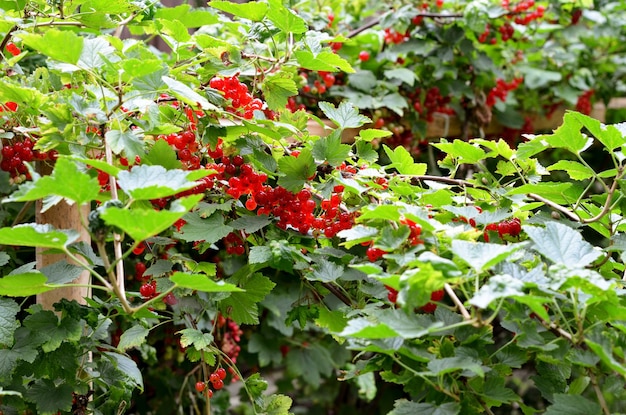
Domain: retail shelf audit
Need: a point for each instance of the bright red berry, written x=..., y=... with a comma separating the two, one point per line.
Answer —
x=200, y=386
x=364, y=56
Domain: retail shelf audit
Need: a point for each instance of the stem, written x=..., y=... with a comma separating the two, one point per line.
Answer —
x=555, y=206
x=466, y=315
x=337, y=293
x=121, y=295
x=596, y=388
x=607, y=204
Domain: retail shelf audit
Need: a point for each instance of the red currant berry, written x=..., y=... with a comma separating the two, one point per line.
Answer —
x=221, y=373
x=364, y=56
x=218, y=384
x=200, y=386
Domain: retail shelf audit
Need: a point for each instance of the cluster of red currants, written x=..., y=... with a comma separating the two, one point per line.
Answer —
x=229, y=339
x=393, y=37
x=16, y=153
x=512, y=227
x=241, y=102
x=186, y=145
x=583, y=105
x=433, y=103
x=234, y=244
x=501, y=90
x=13, y=49
x=148, y=290
x=521, y=11
x=216, y=379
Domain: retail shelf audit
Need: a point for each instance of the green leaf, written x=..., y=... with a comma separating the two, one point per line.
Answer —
x=482, y=256
x=24, y=285
x=364, y=328
x=94, y=49
x=127, y=142
x=325, y=271
x=574, y=169
x=331, y=150
x=278, y=405
x=609, y=135
x=191, y=17
x=277, y=89
x=260, y=254
x=461, y=150
x=357, y=234
x=61, y=272
x=323, y=61
x=50, y=397
x=153, y=182
x=535, y=78
x=403, y=162
x=37, y=235
x=8, y=323
x=242, y=307
x=47, y=324
x=27, y=98
x=345, y=115
x=8, y=363
x=251, y=224
x=369, y=134
x=296, y=170
x=127, y=368
x=201, y=282
x=66, y=181
x=133, y=337
x=568, y=136
x=285, y=19
x=188, y=95
x=140, y=224
x=335, y=320
x=162, y=154
x=254, y=11
x=440, y=367
x=498, y=286
x=49, y=44
x=403, y=74
x=559, y=193
x=565, y=404
x=195, y=338
x=562, y=245
x=404, y=407
x=209, y=230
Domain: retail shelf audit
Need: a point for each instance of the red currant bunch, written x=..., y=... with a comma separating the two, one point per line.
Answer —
x=583, y=105
x=241, y=102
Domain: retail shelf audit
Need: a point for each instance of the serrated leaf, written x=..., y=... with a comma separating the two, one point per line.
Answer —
x=454, y=364
x=403, y=74
x=61, y=272
x=369, y=134
x=127, y=368
x=463, y=151
x=254, y=11
x=24, y=285
x=574, y=169
x=202, y=282
x=285, y=19
x=242, y=307
x=260, y=255
x=127, y=142
x=568, y=135
x=562, y=244
x=403, y=162
x=153, y=182
x=296, y=170
x=195, y=338
x=140, y=224
x=565, y=404
x=209, y=230
x=8, y=323
x=48, y=44
x=559, y=193
x=55, y=332
x=66, y=181
x=278, y=405
x=37, y=235
x=133, y=337
x=162, y=154
x=251, y=224
x=323, y=61
x=345, y=115
x=277, y=89
x=188, y=95
x=325, y=271
x=331, y=150
x=93, y=51
x=361, y=327
x=357, y=234
x=482, y=256
x=405, y=407
x=50, y=397
x=609, y=135
x=498, y=286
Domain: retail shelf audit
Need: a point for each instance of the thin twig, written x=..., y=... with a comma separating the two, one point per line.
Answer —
x=466, y=315
x=341, y=296
x=555, y=206
x=374, y=22
x=599, y=394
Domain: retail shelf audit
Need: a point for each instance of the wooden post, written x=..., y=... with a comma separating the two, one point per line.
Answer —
x=62, y=216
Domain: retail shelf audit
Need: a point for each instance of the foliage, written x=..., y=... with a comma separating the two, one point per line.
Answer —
x=230, y=243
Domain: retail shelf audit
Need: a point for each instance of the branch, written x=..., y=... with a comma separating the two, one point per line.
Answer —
x=457, y=301
x=555, y=206
x=376, y=21
x=599, y=394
